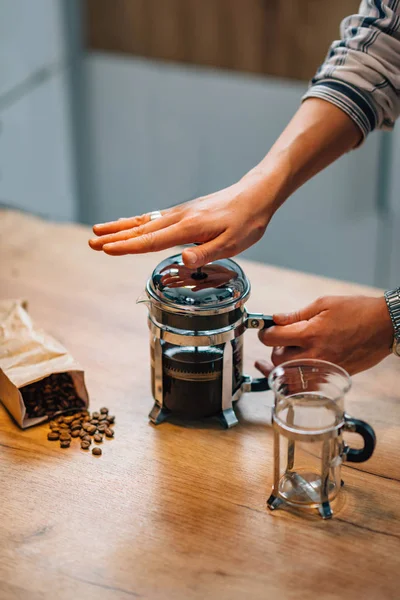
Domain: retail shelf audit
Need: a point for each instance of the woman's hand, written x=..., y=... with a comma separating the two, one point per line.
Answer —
x=224, y=223
x=354, y=332
x=231, y=220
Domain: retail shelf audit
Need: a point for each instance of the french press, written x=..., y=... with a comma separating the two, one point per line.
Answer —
x=197, y=320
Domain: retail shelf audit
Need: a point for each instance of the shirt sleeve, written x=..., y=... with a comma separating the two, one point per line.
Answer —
x=361, y=73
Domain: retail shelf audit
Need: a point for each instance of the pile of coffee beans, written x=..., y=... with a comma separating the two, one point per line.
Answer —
x=51, y=395
x=84, y=426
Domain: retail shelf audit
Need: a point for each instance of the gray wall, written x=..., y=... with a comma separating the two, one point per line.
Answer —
x=393, y=211
x=36, y=150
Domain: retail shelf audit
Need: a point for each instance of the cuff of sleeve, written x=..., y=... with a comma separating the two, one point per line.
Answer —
x=354, y=102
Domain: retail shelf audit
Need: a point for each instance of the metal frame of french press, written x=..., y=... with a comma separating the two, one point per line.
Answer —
x=159, y=332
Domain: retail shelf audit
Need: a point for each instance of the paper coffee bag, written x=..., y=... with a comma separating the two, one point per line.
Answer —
x=38, y=377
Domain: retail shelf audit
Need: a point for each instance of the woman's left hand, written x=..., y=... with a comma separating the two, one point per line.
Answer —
x=354, y=332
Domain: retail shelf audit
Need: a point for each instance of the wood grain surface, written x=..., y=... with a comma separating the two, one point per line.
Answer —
x=284, y=38
x=176, y=511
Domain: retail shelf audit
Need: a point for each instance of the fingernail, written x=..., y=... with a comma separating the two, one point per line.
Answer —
x=190, y=257
x=283, y=318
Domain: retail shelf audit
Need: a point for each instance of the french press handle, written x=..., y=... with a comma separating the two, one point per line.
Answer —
x=367, y=433
x=259, y=321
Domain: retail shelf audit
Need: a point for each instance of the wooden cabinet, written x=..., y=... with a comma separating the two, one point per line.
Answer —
x=285, y=38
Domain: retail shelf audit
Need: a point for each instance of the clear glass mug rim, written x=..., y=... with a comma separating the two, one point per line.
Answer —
x=308, y=362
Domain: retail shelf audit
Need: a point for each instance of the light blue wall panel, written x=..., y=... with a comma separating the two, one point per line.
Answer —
x=31, y=36
x=36, y=154
x=394, y=211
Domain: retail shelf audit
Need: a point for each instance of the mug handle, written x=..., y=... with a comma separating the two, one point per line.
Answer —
x=367, y=433
x=259, y=321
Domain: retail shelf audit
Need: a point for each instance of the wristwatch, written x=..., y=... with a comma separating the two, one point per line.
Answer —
x=393, y=303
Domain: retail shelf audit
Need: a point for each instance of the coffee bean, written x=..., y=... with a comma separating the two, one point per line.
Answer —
x=51, y=395
x=75, y=424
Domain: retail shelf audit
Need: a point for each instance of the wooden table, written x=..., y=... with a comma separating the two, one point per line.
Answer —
x=176, y=511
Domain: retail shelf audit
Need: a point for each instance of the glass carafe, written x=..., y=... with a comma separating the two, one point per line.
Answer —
x=309, y=420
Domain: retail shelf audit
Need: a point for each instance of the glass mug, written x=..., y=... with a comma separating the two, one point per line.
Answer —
x=308, y=421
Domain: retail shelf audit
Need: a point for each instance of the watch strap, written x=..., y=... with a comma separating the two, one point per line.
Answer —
x=392, y=298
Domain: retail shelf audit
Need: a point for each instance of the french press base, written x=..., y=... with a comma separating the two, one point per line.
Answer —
x=197, y=321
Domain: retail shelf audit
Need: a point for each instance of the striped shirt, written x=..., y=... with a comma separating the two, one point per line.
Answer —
x=361, y=73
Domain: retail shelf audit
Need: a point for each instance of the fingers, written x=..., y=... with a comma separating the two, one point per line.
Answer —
x=126, y=234
x=152, y=241
x=131, y=222
x=283, y=354
x=287, y=335
x=303, y=314
x=197, y=256
x=120, y=225
x=264, y=367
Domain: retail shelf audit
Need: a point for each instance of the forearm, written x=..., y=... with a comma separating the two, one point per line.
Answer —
x=318, y=134
x=355, y=91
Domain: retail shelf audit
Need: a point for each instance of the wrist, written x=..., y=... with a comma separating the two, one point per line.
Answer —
x=317, y=135
x=269, y=183
x=386, y=324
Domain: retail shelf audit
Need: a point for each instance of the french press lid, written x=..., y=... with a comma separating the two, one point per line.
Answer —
x=215, y=286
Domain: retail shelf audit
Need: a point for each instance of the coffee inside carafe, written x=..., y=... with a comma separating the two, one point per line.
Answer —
x=192, y=380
